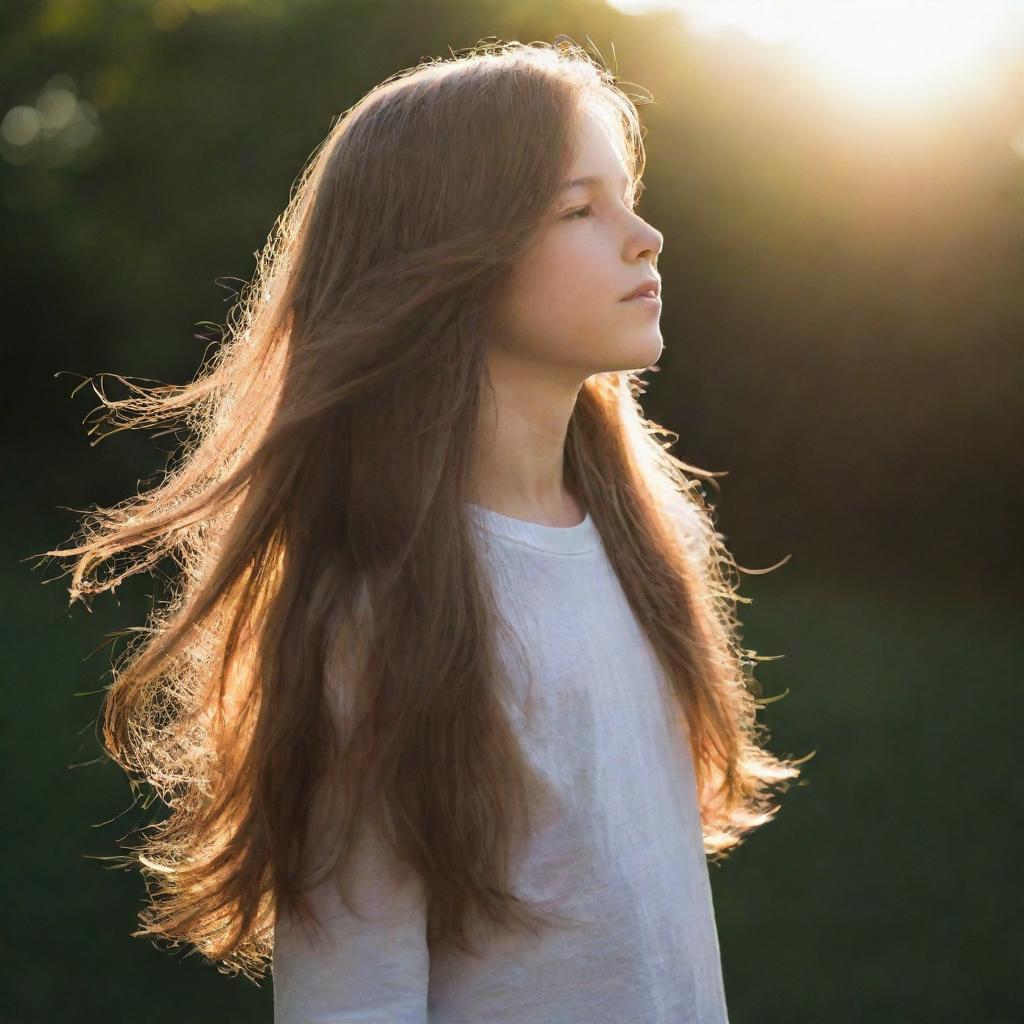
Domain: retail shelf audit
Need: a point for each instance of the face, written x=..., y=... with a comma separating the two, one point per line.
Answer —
x=565, y=305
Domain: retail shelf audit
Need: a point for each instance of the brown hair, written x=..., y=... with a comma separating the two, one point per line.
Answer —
x=331, y=634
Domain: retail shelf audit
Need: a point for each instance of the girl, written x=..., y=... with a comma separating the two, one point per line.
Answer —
x=448, y=704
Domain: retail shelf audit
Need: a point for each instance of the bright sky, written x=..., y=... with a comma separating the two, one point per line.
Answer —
x=902, y=51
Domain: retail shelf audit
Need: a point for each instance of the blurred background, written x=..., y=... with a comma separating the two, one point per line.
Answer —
x=841, y=190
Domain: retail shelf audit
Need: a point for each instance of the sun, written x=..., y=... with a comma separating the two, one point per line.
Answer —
x=891, y=50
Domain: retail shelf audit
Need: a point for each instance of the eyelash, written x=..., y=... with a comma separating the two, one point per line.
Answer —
x=572, y=214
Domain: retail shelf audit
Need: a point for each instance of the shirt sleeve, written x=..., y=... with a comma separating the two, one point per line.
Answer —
x=353, y=971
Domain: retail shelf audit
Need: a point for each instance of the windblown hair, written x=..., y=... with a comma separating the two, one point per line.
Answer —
x=329, y=646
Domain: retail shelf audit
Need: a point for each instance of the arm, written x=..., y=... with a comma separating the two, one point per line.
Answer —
x=375, y=972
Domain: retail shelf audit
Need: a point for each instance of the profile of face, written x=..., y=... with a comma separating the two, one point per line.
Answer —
x=565, y=306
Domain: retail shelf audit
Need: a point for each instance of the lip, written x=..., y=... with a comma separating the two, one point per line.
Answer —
x=651, y=285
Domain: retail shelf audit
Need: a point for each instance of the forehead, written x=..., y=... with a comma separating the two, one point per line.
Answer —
x=599, y=158
x=596, y=180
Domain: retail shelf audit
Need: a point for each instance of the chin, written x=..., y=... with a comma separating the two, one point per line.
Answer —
x=642, y=354
x=640, y=350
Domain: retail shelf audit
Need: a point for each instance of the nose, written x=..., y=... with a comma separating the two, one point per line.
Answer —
x=651, y=242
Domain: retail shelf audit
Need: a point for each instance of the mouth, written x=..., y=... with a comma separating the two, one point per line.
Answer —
x=650, y=291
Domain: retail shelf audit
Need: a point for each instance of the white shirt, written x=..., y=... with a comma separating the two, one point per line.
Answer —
x=625, y=854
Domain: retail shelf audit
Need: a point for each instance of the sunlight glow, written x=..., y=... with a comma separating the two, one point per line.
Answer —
x=896, y=49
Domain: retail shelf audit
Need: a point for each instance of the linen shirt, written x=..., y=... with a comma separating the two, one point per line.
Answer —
x=624, y=853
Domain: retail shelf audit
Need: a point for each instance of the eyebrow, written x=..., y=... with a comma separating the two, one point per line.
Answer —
x=593, y=179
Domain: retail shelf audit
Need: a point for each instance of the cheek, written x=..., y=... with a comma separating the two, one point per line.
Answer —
x=561, y=304
x=562, y=296
x=570, y=274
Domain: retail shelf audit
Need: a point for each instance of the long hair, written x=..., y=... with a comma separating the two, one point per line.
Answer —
x=328, y=647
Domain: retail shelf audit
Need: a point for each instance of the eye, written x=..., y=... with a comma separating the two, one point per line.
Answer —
x=573, y=215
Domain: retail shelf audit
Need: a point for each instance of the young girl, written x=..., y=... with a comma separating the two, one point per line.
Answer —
x=448, y=704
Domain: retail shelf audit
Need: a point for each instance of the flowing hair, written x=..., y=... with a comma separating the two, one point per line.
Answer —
x=327, y=654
